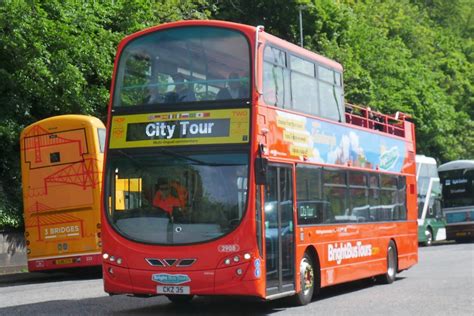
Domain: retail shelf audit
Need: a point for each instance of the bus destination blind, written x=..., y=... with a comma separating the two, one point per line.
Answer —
x=180, y=128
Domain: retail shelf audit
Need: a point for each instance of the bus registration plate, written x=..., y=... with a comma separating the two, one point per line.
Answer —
x=173, y=289
x=64, y=261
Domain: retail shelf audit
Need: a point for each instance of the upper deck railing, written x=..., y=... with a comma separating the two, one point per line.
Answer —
x=365, y=117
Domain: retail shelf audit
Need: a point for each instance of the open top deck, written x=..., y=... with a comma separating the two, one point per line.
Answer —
x=365, y=117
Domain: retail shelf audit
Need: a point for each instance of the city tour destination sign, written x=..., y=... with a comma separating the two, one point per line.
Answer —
x=230, y=126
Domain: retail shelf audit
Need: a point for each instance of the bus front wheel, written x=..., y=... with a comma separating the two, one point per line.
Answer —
x=392, y=265
x=307, y=281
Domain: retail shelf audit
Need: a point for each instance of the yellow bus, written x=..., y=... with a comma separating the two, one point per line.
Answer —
x=61, y=164
x=128, y=193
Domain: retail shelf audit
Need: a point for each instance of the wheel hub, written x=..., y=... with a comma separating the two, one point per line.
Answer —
x=307, y=275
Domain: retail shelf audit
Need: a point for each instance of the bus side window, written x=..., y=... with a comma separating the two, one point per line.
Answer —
x=430, y=211
x=101, y=137
x=135, y=79
x=438, y=212
x=308, y=214
x=314, y=212
x=276, y=77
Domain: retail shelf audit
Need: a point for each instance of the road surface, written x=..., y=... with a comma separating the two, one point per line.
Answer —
x=441, y=284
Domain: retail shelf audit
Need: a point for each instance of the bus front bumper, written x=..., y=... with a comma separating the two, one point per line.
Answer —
x=460, y=232
x=235, y=280
x=67, y=262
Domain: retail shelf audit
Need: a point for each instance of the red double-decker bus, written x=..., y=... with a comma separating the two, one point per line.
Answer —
x=250, y=174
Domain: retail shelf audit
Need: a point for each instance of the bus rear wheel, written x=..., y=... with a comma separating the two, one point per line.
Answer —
x=307, y=281
x=392, y=265
x=180, y=299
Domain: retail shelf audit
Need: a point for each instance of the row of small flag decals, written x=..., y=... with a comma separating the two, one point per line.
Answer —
x=178, y=116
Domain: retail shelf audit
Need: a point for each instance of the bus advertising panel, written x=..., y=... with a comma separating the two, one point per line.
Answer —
x=296, y=136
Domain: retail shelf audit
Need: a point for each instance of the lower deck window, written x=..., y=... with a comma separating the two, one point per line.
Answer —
x=326, y=196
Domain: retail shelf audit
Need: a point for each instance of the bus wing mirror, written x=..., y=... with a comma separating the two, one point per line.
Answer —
x=261, y=165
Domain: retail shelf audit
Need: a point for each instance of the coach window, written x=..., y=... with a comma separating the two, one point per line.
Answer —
x=308, y=183
x=388, y=197
x=276, y=82
x=303, y=66
x=338, y=79
x=101, y=136
x=335, y=193
x=311, y=208
x=402, y=198
x=388, y=181
x=374, y=196
x=358, y=194
x=333, y=176
x=325, y=74
x=304, y=86
x=330, y=95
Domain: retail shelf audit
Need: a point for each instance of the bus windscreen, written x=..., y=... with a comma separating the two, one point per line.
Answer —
x=182, y=65
x=458, y=188
x=172, y=198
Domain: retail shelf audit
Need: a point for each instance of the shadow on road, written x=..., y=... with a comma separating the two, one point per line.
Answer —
x=45, y=277
x=217, y=305
x=212, y=306
x=124, y=305
x=346, y=288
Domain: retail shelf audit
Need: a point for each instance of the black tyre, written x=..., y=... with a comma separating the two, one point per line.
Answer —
x=180, y=299
x=392, y=265
x=429, y=237
x=308, y=281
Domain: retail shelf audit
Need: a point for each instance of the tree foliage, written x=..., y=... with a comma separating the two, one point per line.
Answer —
x=56, y=57
x=416, y=56
x=399, y=55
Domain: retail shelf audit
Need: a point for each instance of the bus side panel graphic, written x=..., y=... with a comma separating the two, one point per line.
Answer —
x=324, y=142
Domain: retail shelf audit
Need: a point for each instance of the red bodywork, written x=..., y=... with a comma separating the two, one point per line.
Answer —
x=209, y=275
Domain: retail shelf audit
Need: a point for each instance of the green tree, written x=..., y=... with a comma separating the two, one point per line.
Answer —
x=415, y=56
x=411, y=56
x=56, y=57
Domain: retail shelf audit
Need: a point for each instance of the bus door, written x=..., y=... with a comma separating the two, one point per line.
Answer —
x=279, y=230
